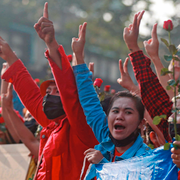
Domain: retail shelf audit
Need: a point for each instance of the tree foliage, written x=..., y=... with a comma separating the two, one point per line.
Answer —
x=104, y=36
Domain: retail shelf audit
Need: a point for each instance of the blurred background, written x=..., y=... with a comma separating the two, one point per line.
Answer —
x=104, y=40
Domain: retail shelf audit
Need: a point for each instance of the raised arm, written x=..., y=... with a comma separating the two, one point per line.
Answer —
x=45, y=30
x=64, y=77
x=21, y=130
x=23, y=83
x=152, y=49
x=5, y=116
x=90, y=103
x=153, y=94
x=131, y=33
x=126, y=82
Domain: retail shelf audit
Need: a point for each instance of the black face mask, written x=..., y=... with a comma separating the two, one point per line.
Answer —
x=171, y=130
x=121, y=143
x=31, y=125
x=52, y=106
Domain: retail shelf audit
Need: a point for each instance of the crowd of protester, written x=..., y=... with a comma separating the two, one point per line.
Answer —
x=67, y=126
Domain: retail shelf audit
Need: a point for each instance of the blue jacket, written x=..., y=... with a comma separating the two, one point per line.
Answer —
x=97, y=120
x=17, y=104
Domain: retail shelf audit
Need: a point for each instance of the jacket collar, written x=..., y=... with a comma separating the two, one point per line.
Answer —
x=108, y=145
x=133, y=149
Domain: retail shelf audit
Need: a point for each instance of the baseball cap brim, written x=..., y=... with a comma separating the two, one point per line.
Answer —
x=44, y=85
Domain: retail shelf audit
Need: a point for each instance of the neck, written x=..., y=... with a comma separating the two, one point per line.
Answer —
x=123, y=149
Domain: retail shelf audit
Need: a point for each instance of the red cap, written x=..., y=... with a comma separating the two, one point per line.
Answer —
x=45, y=85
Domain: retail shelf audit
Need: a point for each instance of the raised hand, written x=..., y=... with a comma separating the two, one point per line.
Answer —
x=91, y=67
x=6, y=52
x=44, y=27
x=93, y=156
x=6, y=99
x=4, y=68
x=152, y=48
x=131, y=33
x=152, y=45
x=79, y=43
x=125, y=81
x=4, y=84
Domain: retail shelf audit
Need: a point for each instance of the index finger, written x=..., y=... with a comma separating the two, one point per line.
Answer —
x=80, y=28
x=83, y=33
x=45, y=11
x=121, y=67
x=91, y=67
x=177, y=148
x=135, y=23
x=89, y=150
x=140, y=15
x=176, y=142
x=154, y=31
x=126, y=65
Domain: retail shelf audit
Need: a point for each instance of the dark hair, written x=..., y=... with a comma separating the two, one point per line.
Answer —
x=105, y=104
x=138, y=103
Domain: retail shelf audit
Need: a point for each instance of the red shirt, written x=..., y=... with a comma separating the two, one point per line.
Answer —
x=116, y=153
x=153, y=95
x=62, y=145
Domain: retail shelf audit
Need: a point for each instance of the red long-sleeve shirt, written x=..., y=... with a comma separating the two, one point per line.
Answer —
x=63, y=144
x=153, y=95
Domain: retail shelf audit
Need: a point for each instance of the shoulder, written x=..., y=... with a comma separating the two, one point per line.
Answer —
x=143, y=150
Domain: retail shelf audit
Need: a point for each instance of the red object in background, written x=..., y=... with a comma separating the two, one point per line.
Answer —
x=98, y=82
x=113, y=91
x=168, y=25
x=37, y=81
x=69, y=57
x=1, y=118
x=107, y=88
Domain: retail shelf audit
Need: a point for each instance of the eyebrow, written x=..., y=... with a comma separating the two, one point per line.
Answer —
x=127, y=108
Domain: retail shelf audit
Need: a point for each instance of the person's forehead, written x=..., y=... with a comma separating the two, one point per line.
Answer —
x=52, y=85
x=124, y=102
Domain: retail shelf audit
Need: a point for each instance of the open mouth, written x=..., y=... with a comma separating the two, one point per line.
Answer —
x=119, y=127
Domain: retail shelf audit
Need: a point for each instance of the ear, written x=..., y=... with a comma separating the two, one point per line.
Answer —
x=142, y=124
